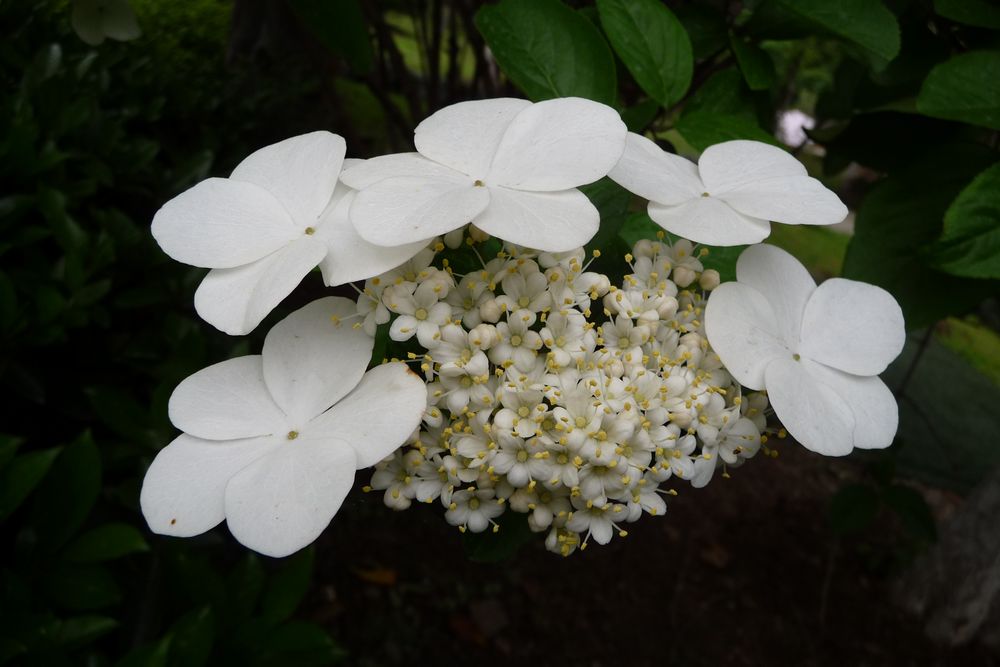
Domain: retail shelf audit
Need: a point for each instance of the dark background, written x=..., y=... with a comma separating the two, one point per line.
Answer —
x=795, y=560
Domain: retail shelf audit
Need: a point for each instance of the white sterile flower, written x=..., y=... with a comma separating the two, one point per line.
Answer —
x=730, y=195
x=277, y=216
x=508, y=166
x=262, y=447
x=816, y=350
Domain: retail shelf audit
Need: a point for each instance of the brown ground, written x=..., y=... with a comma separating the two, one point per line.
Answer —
x=743, y=572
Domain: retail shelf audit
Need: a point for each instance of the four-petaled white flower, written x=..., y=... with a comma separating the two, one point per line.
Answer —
x=508, y=166
x=278, y=215
x=271, y=442
x=816, y=350
x=730, y=195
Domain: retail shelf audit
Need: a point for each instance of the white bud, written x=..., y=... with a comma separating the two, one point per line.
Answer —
x=484, y=336
x=709, y=279
x=667, y=307
x=453, y=239
x=477, y=234
x=682, y=419
x=490, y=310
x=683, y=276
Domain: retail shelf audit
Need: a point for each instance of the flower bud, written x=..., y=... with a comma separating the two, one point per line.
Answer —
x=453, y=239
x=667, y=307
x=483, y=336
x=684, y=276
x=477, y=234
x=682, y=419
x=490, y=310
x=709, y=279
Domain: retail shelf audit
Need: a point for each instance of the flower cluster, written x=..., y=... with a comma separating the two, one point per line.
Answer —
x=555, y=394
x=545, y=388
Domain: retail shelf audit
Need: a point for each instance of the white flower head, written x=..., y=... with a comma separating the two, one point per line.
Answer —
x=816, y=350
x=278, y=215
x=508, y=166
x=271, y=441
x=729, y=196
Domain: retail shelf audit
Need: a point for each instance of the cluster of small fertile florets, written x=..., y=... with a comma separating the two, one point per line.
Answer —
x=556, y=394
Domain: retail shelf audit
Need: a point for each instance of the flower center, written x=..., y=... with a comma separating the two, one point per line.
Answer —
x=522, y=456
x=420, y=314
x=797, y=357
x=561, y=341
x=523, y=302
x=474, y=504
x=581, y=422
x=292, y=435
x=515, y=340
x=310, y=231
x=523, y=411
x=562, y=459
x=478, y=183
x=705, y=194
x=466, y=381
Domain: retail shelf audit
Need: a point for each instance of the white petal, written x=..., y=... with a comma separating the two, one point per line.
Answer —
x=853, y=326
x=709, y=220
x=225, y=401
x=548, y=221
x=559, y=144
x=783, y=280
x=404, y=209
x=876, y=415
x=654, y=174
x=742, y=329
x=183, y=493
x=221, y=223
x=369, y=172
x=312, y=358
x=793, y=200
x=378, y=416
x=300, y=172
x=811, y=411
x=282, y=502
x=236, y=300
x=465, y=136
x=737, y=164
x=704, y=470
x=349, y=257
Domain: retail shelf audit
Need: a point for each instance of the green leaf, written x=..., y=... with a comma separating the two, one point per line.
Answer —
x=192, y=637
x=722, y=93
x=287, y=587
x=853, y=508
x=965, y=88
x=653, y=45
x=981, y=13
x=82, y=587
x=245, y=584
x=637, y=117
x=899, y=217
x=340, y=26
x=705, y=27
x=152, y=655
x=296, y=643
x=970, y=244
x=21, y=476
x=107, y=542
x=549, y=50
x=9, y=445
x=81, y=630
x=754, y=62
x=913, y=511
x=490, y=547
x=867, y=23
x=702, y=129
x=68, y=493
